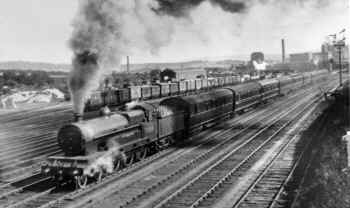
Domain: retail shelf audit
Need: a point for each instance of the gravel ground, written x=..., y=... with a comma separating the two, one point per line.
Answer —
x=327, y=182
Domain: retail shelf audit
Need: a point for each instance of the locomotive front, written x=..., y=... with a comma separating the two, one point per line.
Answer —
x=91, y=147
x=70, y=140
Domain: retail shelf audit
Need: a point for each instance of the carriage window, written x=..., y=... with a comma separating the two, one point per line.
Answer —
x=194, y=109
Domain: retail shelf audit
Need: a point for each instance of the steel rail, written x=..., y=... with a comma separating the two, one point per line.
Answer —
x=230, y=173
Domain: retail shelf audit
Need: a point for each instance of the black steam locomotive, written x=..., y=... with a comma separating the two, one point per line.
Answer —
x=95, y=147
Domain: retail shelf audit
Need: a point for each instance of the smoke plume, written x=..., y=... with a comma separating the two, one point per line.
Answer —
x=108, y=29
x=174, y=30
x=106, y=161
x=83, y=78
x=180, y=8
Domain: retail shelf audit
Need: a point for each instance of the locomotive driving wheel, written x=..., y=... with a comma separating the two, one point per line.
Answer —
x=129, y=159
x=100, y=174
x=81, y=181
x=141, y=154
x=118, y=164
x=162, y=144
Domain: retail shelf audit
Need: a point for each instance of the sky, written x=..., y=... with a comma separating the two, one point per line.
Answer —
x=39, y=30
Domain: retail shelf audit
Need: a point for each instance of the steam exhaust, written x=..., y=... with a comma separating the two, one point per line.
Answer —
x=82, y=80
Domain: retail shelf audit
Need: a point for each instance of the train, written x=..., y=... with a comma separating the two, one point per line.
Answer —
x=114, y=98
x=96, y=147
x=118, y=97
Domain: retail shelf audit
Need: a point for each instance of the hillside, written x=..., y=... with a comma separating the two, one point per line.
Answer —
x=181, y=65
x=49, y=67
x=25, y=65
x=138, y=67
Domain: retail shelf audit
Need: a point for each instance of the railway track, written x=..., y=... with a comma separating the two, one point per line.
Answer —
x=27, y=139
x=24, y=189
x=15, y=191
x=52, y=198
x=270, y=184
x=26, y=113
x=297, y=175
x=215, y=181
x=42, y=195
x=139, y=189
x=220, y=179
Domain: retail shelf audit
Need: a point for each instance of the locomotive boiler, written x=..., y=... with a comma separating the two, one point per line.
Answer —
x=98, y=146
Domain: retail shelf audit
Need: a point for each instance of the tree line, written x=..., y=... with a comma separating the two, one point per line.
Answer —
x=123, y=79
x=29, y=79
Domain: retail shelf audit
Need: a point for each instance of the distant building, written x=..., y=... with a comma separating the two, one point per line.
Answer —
x=300, y=57
x=331, y=52
x=304, y=61
x=308, y=57
x=318, y=57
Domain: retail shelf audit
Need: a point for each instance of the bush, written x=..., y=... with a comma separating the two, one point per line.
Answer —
x=24, y=79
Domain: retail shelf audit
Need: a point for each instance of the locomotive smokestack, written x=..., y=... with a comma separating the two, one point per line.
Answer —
x=77, y=117
x=283, y=51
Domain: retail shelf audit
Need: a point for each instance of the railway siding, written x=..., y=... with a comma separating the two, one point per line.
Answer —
x=51, y=198
x=128, y=204
x=236, y=178
x=105, y=188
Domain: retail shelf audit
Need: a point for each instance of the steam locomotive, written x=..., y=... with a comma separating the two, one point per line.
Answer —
x=96, y=147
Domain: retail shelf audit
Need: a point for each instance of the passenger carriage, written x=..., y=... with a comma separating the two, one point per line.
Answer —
x=285, y=82
x=270, y=88
x=247, y=95
x=191, y=113
x=298, y=81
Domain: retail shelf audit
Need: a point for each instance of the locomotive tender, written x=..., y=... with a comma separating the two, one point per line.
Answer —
x=95, y=147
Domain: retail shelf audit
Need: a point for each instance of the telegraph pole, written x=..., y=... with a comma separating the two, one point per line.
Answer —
x=339, y=45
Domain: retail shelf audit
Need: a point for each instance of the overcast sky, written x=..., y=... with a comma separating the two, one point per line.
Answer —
x=38, y=30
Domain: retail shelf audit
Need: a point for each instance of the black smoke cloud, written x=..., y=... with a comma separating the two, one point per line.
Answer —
x=105, y=31
x=179, y=8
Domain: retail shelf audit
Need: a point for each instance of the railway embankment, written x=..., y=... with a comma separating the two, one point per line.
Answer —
x=325, y=176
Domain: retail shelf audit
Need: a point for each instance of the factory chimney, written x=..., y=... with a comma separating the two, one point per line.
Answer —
x=283, y=51
x=127, y=65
